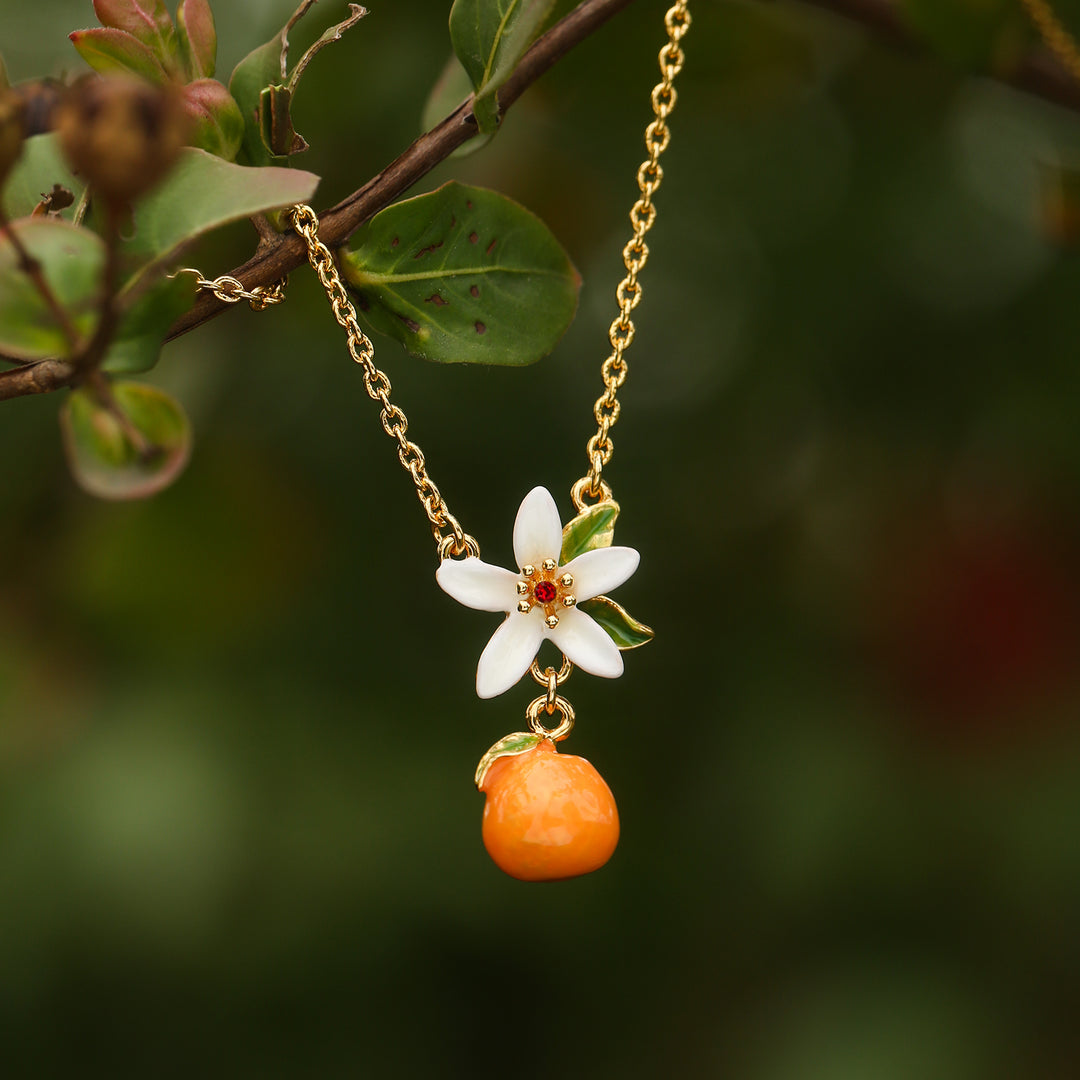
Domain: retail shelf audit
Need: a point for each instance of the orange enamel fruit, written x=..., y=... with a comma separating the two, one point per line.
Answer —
x=548, y=816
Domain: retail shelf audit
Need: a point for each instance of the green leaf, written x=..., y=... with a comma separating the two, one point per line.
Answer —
x=113, y=51
x=128, y=449
x=463, y=275
x=40, y=166
x=623, y=629
x=520, y=742
x=592, y=528
x=262, y=67
x=71, y=261
x=201, y=193
x=451, y=88
x=145, y=323
x=489, y=38
x=197, y=38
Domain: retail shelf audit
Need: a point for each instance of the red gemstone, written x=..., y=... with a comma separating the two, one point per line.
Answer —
x=545, y=592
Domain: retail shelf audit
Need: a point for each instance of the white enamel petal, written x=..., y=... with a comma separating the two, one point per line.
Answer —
x=537, y=530
x=478, y=584
x=601, y=570
x=587, y=644
x=509, y=653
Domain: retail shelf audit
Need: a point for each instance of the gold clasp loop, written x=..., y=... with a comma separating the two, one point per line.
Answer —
x=539, y=706
x=584, y=489
x=450, y=547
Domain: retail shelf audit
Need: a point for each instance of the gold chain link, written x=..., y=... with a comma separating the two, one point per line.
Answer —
x=231, y=290
x=394, y=422
x=1054, y=34
x=635, y=255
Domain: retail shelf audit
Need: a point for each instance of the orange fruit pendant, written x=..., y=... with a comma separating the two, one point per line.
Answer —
x=547, y=816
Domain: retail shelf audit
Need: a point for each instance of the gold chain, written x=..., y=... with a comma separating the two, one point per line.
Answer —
x=635, y=255
x=1053, y=32
x=231, y=290
x=394, y=422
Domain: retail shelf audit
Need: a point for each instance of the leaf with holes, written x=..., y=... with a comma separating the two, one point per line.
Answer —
x=71, y=261
x=128, y=448
x=463, y=275
x=490, y=37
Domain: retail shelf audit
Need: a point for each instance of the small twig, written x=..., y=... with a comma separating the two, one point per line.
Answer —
x=99, y=386
x=32, y=268
x=87, y=360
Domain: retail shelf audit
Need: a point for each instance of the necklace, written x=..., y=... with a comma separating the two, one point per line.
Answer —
x=547, y=816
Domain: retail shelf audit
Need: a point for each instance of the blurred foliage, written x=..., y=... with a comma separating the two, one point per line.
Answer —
x=237, y=727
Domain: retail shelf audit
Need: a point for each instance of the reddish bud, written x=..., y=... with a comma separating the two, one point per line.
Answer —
x=217, y=123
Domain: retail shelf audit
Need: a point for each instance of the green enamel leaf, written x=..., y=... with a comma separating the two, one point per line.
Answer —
x=203, y=192
x=40, y=166
x=623, y=629
x=489, y=38
x=128, y=450
x=593, y=528
x=519, y=742
x=71, y=261
x=463, y=275
x=143, y=327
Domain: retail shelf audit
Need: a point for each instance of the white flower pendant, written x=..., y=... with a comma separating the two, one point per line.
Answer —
x=541, y=599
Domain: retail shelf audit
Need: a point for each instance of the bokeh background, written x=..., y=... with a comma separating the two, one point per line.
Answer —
x=238, y=835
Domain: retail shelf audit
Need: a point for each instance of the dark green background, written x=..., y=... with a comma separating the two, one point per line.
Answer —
x=238, y=835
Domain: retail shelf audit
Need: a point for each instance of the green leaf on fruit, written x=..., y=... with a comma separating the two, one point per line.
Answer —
x=201, y=193
x=489, y=38
x=593, y=528
x=622, y=628
x=463, y=275
x=130, y=448
x=519, y=742
x=71, y=261
x=39, y=168
x=145, y=324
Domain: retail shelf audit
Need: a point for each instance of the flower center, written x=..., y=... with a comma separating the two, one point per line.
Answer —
x=543, y=586
x=546, y=592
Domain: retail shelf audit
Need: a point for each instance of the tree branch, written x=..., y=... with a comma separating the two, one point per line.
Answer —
x=338, y=223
